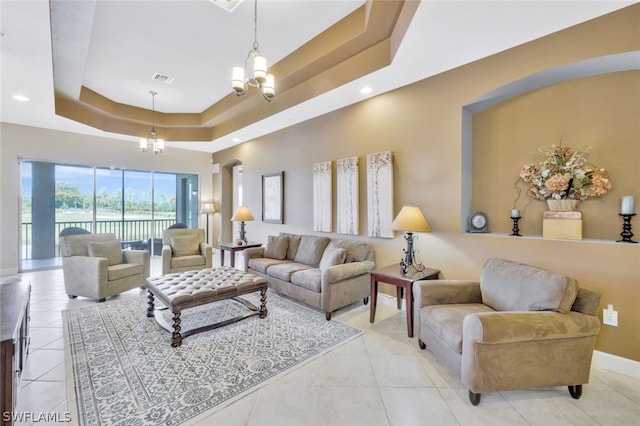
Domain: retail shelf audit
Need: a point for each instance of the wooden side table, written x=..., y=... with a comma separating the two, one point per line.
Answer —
x=393, y=275
x=233, y=248
x=14, y=343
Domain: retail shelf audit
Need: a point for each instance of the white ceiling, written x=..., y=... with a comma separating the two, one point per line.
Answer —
x=197, y=43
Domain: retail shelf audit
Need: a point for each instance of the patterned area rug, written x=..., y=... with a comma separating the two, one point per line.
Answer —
x=126, y=372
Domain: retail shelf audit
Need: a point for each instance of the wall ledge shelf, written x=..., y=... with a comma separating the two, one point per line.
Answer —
x=540, y=237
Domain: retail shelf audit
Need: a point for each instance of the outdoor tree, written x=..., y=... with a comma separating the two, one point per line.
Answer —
x=68, y=196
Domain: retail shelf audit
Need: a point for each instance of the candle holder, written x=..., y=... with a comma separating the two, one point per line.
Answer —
x=626, y=233
x=515, y=232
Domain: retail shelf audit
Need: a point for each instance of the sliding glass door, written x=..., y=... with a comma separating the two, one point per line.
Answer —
x=134, y=205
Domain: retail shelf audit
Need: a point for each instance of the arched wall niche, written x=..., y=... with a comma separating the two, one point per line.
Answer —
x=224, y=229
x=593, y=67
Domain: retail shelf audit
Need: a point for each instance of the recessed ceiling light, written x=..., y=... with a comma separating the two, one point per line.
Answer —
x=366, y=90
x=22, y=98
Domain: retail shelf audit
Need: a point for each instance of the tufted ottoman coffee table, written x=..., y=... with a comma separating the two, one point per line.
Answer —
x=189, y=289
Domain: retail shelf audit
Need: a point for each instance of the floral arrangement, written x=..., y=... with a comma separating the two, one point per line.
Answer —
x=565, y=174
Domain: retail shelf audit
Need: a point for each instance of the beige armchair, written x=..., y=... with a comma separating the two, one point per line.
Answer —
x=518, y=327
x=185, y=250
x=94, y=265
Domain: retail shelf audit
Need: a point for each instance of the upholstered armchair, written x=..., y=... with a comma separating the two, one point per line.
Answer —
x=95, y=266
x=185, y=250
x=518, y=327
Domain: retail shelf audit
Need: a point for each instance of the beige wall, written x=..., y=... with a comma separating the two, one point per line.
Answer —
x=600, y=112
x=421, y=124
x=32, y=143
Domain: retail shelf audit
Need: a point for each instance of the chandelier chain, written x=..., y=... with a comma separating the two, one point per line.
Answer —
x=255, y=26
x=153, y=111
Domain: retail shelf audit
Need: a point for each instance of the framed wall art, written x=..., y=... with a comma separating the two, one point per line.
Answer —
x=322, y=205
x=273, y=197
x=347, y=184
x=380, y=194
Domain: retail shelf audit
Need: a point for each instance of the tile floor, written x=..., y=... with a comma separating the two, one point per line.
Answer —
x=380, y=378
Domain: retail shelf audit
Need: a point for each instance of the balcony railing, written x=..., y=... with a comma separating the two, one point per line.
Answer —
x=133, y=233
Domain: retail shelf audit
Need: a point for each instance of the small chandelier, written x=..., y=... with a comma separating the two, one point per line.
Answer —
x=152, y=141
x=260, y=78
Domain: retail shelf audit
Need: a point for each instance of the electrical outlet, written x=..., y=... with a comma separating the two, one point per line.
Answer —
x=609, y=316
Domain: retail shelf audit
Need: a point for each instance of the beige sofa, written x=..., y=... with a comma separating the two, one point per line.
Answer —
x=518, y=327
x=322, y=272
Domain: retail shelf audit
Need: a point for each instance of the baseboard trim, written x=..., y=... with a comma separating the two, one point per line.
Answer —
x=6, y=273
x=617, y=364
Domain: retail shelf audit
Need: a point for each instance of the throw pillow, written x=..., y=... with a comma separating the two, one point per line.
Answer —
x=511, y=286
x=332, y=256
x=184, y=245
x=294, y=243
x=357, y=251
x=108, y=249
x=311, y=250
x=276, y=247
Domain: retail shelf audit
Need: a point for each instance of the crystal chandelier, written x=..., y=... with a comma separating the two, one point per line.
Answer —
x=152, y=141
x=260, y=79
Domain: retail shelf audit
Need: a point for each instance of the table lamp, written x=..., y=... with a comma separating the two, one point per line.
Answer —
x=410, y=220
x=207, y=208
x=242, y=215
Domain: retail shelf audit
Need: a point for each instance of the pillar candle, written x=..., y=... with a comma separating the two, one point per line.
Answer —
x=627, y=205
x=515, y=213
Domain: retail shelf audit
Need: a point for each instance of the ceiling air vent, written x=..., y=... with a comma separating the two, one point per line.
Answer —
x=162, y=78
x=228, y=5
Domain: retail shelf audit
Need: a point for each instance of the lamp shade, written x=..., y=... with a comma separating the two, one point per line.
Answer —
x=237, y=79
x=207, y=208
x=242, y=214
x=410, y=219
x=260, y=68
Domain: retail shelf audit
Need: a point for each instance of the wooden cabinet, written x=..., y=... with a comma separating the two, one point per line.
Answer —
x=14, y=344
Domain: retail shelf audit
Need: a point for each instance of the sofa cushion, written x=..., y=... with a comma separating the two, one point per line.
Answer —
x=276, y=247
x=511, y=286
x=357, y=251
x=188, y=261
x=311, y=249
x=283, y=271
x=294, y=243
x=309, y=279
x=261, y=264
x=184, y=245
x=446, y=321
x=332, y=256
x=124, y=270
x=112, y=250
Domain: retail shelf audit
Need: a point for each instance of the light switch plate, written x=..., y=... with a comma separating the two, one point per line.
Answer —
x=610, y=317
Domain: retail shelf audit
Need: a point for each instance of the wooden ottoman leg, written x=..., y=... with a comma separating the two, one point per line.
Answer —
x=176, y=337
x=263, y=303
x=150, y=303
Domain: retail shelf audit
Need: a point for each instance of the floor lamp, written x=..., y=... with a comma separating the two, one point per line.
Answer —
x=207, y=208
